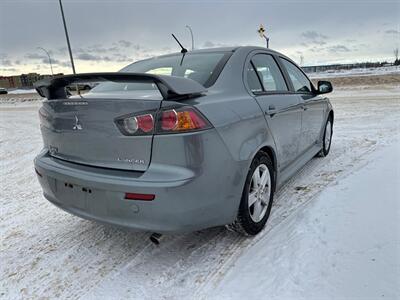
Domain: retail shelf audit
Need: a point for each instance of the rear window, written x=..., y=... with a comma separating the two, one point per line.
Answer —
x=201, y=67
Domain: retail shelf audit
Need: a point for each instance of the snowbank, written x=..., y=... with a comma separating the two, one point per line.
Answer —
x=344, y=244
x=393, y=70
x=22, y=91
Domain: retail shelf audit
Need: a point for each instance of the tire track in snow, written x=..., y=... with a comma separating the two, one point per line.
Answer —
x=341, y=162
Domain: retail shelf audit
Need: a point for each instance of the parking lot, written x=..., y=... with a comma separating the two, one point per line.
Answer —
x=47, y=253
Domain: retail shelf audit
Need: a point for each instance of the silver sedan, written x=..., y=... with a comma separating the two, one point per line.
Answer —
x=182, y=142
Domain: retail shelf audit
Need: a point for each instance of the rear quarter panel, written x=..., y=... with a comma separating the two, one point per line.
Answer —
x=235, y=114
x=241, y=127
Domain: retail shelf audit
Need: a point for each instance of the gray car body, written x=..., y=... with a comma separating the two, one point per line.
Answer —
x=197, y=177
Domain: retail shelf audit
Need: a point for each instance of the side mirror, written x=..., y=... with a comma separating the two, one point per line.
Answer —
x=324, y=87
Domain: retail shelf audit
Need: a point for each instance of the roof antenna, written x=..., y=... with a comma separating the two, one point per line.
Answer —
x=183, y=50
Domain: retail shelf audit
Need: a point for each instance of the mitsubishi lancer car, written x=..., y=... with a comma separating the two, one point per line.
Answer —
x=181, y=142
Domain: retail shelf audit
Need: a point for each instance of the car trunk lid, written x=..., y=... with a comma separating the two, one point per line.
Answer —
x=83, y=131
x=82, y=128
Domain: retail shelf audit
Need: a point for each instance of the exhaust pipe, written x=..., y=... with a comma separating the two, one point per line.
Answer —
x=155, y=238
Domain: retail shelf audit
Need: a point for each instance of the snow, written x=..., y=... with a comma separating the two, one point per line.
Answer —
x=345, y=243
x=22, y=91
x=392, y=70
x=47, y=253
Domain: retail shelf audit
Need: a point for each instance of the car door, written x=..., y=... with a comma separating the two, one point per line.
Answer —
x=313, y=106
x=282, y=109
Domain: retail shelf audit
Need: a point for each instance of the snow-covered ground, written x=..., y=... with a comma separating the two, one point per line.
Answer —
x=22, y=91
x=393, y=70
x=343, y=244
x=333, y=230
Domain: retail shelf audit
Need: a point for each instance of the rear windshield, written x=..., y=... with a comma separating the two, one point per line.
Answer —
x=197, y=66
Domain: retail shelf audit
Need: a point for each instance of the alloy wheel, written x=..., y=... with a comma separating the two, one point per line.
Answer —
x=259, y=193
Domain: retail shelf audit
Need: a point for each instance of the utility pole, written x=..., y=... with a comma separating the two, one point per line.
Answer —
x=66, y=35
x=261, y=32
x=191, y=34
x=48, y=54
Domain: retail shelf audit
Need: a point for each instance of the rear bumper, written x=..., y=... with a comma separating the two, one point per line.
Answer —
x=186, y=198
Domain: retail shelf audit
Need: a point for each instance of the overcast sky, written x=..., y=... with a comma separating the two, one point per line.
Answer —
x=107, y=35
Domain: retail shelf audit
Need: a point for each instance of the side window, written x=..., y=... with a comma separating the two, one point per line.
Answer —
x=269, y=73
x=252, y=79
x=299, y=80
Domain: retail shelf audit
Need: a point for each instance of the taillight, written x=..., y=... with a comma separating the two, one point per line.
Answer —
x=182, y=119
x=169, y=119
x=136, y=125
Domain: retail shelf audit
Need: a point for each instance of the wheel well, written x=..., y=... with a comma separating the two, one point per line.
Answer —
x=271, y=154
x=331, y=115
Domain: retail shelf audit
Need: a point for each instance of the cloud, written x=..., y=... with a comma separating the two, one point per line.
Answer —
x=114, y=52
x=107, y=58
x=36, y=56
x=338, y=48
x=62, y=50
x=392, y=31
x=88, y=56
x=317, y=49
x=65, y=64
x=210, y=44
x=314, y=37
x=122, y=58
x=8, y=69
x=124, y=43
x=6, y=63
x=97, y=49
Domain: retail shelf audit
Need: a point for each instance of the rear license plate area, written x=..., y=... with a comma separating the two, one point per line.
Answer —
x=72, y=194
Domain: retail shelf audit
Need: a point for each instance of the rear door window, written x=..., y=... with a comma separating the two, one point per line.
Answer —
x=252, y=80
x=269, y=73
x=300, y=81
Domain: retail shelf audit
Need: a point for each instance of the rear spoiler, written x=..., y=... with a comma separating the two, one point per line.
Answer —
x=171, y=87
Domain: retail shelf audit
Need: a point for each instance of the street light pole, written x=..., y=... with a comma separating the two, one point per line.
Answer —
x=66, y=35
x=191, y=34
x=48, y=54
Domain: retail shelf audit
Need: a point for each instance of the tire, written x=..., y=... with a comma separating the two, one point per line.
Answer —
x=251, y=219
x=327, y=138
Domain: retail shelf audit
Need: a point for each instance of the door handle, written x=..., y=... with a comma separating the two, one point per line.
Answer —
x=271, y=110
x=305, y=107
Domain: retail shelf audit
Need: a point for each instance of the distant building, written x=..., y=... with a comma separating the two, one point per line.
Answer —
x=4, y=82
x=22, y=81
x=10, y=81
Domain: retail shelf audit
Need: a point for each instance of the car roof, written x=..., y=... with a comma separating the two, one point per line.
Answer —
x=220, y=49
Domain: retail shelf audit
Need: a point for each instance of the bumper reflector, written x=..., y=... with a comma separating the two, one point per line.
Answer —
x=135, y=196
